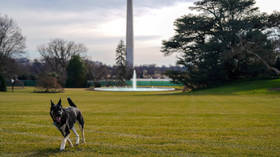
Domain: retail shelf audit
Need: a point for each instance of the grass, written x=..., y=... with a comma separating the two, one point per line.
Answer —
x=241, y=119
x=246, y=87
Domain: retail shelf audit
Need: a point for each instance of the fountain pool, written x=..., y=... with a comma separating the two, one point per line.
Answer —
x=134, y=88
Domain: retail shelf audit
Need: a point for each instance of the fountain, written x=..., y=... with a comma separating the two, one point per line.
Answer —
x=134, y=83
x=134, y=87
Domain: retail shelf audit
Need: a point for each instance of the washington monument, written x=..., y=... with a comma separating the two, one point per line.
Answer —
x=129, y=34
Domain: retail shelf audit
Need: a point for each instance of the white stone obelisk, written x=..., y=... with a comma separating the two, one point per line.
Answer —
x=129, y=34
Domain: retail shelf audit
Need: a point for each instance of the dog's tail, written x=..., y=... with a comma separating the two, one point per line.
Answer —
x=71, y=102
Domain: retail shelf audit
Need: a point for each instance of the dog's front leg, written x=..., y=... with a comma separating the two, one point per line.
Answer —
x=63, y=143
x=66, y=134
x=77, y=136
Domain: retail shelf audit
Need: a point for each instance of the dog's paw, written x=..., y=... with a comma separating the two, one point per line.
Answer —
x=77, y=143
x=62, y=148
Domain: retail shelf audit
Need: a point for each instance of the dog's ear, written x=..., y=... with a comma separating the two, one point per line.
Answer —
x=59, y=102
x=52, y=104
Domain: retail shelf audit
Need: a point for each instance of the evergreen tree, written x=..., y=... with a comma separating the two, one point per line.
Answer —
x=76, y=73
x=122, y=69
x=226, y=41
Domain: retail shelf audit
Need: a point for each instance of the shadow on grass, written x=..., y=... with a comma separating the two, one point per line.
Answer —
x=56, y=151
x=46, y=152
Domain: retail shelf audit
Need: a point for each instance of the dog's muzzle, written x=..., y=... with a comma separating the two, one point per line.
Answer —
x=58, y=119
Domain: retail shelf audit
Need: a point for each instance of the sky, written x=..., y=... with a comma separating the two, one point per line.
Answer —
x=101, y=24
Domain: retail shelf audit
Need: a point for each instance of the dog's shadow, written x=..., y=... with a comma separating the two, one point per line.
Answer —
x=54, y=151
x=46, y=152
x=49, y=152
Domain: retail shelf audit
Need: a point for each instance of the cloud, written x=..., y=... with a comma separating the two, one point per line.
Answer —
x=268, y=5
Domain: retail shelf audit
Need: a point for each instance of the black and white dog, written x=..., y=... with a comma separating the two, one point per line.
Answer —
x=65, y=118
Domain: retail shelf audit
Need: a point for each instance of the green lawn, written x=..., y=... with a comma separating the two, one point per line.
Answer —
x=241, y=119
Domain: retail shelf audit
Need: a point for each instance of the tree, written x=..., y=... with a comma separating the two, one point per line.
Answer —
x=122, y=69
x=226, y=41
x=47, y=83
x=97, y=71
x=57, y=54
x=76, y=73
x=12, y=42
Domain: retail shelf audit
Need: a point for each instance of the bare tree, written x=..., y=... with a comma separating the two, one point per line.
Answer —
x=12, y=42
x=57, y=54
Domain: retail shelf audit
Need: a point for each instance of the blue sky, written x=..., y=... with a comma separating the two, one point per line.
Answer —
x=100, y=24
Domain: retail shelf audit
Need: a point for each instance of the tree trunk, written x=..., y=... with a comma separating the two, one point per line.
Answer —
x=265, y=63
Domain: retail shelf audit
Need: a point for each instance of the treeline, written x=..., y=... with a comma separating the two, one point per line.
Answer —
x=26, y=69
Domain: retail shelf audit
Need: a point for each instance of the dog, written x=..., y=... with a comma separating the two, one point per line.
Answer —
x=64, y=119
